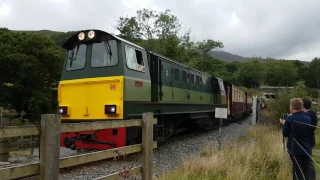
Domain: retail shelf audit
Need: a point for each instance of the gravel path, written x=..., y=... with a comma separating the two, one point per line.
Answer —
x=168, y=155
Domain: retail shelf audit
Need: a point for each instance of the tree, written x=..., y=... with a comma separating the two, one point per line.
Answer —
x=31, y=64
x=280, y=73
x=313, y=75
x=160, y=32
x=250, y=74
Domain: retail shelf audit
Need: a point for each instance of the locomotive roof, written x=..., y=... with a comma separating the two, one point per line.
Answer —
x=74, y=38
x=68, y=45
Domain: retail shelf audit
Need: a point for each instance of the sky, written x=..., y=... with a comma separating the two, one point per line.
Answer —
x=286, y=29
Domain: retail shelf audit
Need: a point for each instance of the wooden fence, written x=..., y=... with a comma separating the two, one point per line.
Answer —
x=17, y=146
x=50, y=161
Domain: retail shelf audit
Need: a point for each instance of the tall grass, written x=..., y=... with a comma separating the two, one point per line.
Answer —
x=258, y=155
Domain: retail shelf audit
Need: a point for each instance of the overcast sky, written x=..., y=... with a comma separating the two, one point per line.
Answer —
x=287, y=29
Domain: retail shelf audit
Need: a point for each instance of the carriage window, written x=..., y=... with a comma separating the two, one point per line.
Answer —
x=197, y=80
x=184, y=77
x=76, y=58
x=104, y=54
x=134, y=59
x=176, y=74
x=191, y=78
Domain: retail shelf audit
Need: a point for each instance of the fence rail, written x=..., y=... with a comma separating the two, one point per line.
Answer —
x=50, y=161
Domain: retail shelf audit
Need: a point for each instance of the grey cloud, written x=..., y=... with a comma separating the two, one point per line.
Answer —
x=279, y=29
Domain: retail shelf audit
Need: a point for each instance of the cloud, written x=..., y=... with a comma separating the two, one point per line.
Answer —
x=280, y=29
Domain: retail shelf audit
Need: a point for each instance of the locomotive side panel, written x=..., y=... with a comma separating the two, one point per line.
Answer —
x=137, y=87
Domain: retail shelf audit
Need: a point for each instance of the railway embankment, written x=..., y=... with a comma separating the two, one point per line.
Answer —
x=260, y=153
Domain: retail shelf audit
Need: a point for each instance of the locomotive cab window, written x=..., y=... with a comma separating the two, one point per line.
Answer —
x=104, y=54
x=76, y=58
x=134, y=59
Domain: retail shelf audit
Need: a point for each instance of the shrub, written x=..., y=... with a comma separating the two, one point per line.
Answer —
x=281, y=104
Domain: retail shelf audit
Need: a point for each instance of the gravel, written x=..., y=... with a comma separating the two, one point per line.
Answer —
x=169, y=155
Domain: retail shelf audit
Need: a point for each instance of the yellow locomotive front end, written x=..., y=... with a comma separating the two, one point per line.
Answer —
x=91, y=99
x=91, y=89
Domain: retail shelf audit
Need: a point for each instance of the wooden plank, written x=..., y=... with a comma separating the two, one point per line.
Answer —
x=125, y=174
x=99, y=155
x=50, y=146
x=34, y=169
x=20, y=171
x=75, y=127
x=9, y=149
x=17, y=131
x=147, y=150
x=9, y=113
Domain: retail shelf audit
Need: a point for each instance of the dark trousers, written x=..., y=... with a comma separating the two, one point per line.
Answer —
x=302, y=167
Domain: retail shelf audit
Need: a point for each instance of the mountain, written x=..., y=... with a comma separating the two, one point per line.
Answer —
x=226, y=56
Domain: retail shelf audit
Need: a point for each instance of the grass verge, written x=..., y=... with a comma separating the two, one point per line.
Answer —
x=257, y=155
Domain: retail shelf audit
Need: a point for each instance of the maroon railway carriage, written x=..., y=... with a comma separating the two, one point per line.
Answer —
x=238, y=101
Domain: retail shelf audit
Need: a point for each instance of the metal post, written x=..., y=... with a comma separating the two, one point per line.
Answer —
x=258, y=110
x=220, y=130
x=254, y=111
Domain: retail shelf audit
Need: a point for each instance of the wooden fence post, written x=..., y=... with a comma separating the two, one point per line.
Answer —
x=147, y=146
x=4, y=157
x=50, y=146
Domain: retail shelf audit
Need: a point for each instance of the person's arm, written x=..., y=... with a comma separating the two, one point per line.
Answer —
x=286, y=127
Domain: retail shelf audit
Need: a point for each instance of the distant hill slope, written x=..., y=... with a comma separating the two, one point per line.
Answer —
x=225, y=56
x=228, y=57
x=47, y=33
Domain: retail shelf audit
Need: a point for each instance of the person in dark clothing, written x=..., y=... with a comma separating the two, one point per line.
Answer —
x=299, y=138
x=313, y=116
x=314, y=121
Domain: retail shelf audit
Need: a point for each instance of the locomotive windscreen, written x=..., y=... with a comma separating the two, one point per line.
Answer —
x=91, y=53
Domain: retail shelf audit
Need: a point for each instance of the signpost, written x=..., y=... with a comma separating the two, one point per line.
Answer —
x=221, y=113
x=254, y=111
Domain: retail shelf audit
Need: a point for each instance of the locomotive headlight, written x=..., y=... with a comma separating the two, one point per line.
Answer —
x=91, y=34
x=81, y=36
x=110, y=109
x=63, y=110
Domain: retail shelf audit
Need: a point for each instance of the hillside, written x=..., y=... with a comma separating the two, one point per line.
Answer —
x=226, y=56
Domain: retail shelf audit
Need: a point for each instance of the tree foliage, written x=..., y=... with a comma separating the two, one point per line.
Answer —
x=31, y=65
x=313, y=73
x=160, y=32
x=281, y=104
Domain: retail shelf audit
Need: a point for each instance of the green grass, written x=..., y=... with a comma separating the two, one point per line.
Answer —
x=258, y=155
x=316, y=152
